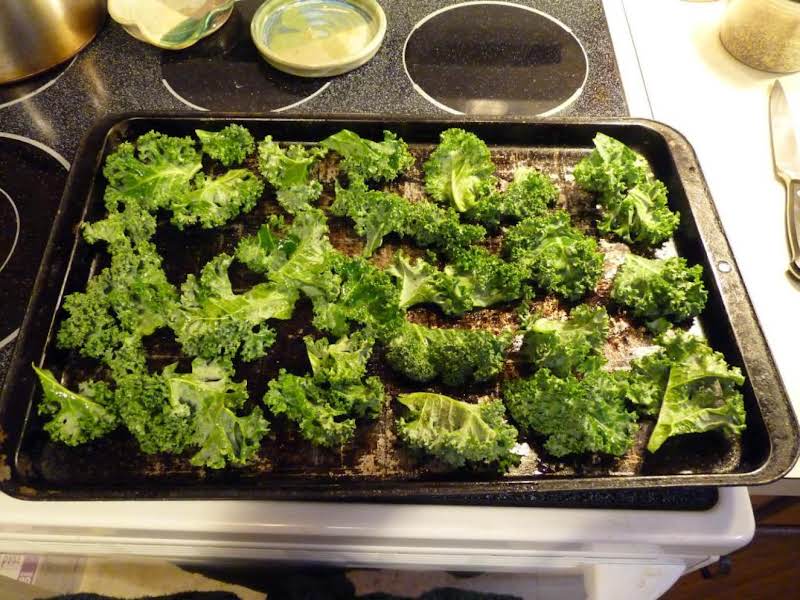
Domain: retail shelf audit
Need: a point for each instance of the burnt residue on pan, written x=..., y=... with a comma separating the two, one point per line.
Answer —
x=376, y=453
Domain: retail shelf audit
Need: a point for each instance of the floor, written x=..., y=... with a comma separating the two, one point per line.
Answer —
x=767, y=568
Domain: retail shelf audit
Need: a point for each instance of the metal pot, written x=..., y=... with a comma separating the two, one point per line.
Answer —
x=36, y=35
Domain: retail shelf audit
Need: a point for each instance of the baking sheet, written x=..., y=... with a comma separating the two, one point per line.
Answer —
x=376, y=465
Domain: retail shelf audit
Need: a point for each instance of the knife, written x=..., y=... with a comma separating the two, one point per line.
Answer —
x=787, y=166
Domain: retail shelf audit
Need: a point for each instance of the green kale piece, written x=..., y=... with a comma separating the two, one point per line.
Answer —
x=375, y=214
x=576, y=415
x=298, y=257
x=660, y=288
x=477, y=278
x=305, y=403
x=490, y=279
x=259, y=252
x=76, y=418
x=459, y=171
x=288, y=170
x=213, y=201
x=611, y=167
x=211, y=320
x=647, y=380
x=364, y=159
x=639, y=216
x=298, y=198
x=555, y=254
x=133, y=225
x=221, y=436
x=570, y=346
x=154, y=171
x=423, y=283
x=123, y=303
x=230, y=145
x=456, y=356
x=691, y=387
x=530, y=194
x=366, y=296
x=459, y=433
x=325, y=403
x=145, y=409
x=432, y=226
x=173, y=411
x=633, y=203
x=286, y=167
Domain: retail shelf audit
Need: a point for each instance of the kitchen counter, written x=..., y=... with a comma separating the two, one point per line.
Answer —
x=721, y=106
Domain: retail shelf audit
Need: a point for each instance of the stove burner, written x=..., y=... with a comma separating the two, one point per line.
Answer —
x=224, y=72
x=32, y=178
x=9, y=236
x=495, y=58
x=13, y=93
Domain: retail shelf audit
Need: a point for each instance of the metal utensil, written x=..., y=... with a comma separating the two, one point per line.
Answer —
x=787, y=166
x=36, y=35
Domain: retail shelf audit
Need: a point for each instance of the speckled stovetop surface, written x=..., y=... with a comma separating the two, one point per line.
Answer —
x=116, y=73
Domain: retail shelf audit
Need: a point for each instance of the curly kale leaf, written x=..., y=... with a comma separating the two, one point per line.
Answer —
x=660, y=288
x=299, y=257
x=458, y=433
x=556, y=255
x=156, y=170
x=304, y=254
x=122, y=304
x=690, y=386
x=456, y=356
x=490, y=279
x=639, y=216
x=423, y=283
x=531, y=193
x=288, y=170
x=286, y=167
x=325, y=403
x=305, y=403
x=432, y=226
x=375, y=214
x=230, y=146
x=476, y=278
x=366, y=296
x=213, y=201
x=575, y=415
x=173, y=411
x=364, y=159
x=611, y=168
x=221, y=436
x=211, y=320
x=647, y=380
x=564, y=347
x=459, y=171
x=76, y=418
x=144, y=408
x=633, y=204
x=133, y=225
x=299, y=198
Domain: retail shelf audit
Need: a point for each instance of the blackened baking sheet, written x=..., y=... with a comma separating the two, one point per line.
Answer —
x=376, y=465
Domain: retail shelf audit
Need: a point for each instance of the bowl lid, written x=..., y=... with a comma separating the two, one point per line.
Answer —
x=318, y=38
